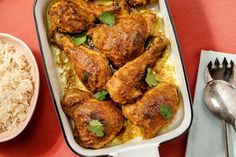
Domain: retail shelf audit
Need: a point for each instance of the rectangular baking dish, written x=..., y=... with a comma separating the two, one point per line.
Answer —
x=136, y=147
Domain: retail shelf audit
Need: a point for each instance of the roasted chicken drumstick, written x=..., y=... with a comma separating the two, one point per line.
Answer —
x=128, y=83
x=91, y=67
x=85, y=110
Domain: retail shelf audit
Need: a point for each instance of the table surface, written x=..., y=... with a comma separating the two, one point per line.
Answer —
x=200, y=24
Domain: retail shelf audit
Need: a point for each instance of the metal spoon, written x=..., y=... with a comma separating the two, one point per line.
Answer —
x=220, y=98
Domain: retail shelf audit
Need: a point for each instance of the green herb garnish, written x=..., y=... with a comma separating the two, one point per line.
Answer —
x=96, y=127
x=150, y=78
x=80, y=38
x=101, y=95
x=148, y=43
x=108, y=18
x=165, y=111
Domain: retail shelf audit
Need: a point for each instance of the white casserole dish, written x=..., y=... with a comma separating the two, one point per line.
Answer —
x=136, y=147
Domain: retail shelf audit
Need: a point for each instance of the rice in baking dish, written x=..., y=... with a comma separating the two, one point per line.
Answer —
x=16, y=87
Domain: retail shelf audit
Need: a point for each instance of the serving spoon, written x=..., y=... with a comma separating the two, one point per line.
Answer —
x=220, y=98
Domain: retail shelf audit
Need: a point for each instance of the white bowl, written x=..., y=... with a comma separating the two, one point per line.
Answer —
x=22, y=48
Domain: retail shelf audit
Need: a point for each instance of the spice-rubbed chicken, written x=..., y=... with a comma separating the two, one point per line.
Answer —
x=154, y=110
x=75, y=16
x=128, y=83
x=91, y=67
x=125, y=40
x=96, y=122
x=72, y=99
x=97, y=36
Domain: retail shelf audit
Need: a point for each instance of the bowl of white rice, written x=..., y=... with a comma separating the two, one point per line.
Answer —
x=19, y=86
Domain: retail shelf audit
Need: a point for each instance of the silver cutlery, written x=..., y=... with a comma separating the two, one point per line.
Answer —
x=225, y=71
x=220, y=96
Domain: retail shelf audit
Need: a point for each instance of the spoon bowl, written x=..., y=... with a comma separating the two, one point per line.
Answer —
x=220, y=98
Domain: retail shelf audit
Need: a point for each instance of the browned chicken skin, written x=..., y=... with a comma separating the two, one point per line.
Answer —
x=124, y=41
x=123, y=45
x=128, y=83
x=135, y=3
x=75, y=16
x=82, y=107
x=72, y=99
x=145, y=113
x=91, y=67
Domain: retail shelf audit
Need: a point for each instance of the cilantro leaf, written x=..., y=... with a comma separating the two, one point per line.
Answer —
x=148, y=43
x=101, y=95
x=165, y=111
x=96, y=127
x=80, y=39
x=150, y=78
x=108, y=18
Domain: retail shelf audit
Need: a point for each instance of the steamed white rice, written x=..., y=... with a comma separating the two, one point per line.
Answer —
x=16, y=87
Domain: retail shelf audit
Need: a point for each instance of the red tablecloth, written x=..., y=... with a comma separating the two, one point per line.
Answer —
x=200, y=24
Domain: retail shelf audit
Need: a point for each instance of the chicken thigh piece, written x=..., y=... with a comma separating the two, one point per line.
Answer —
x=92, y=117
x=75, y=16
x=91, y=67
x=150, y=113
x=125, y=40
x=128, y=83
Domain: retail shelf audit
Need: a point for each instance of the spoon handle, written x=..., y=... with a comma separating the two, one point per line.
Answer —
x=227, y=142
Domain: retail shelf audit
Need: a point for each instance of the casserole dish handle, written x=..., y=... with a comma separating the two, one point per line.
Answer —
x=142, y=151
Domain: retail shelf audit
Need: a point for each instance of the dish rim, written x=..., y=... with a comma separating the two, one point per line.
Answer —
x=31, y=58
x=55, y=103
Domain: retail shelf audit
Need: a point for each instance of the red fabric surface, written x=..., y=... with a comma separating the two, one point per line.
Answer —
x=200, y=24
